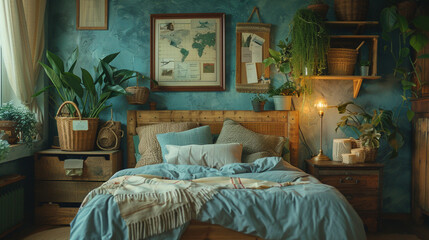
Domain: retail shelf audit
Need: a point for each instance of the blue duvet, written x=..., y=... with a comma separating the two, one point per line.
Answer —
x=308, y=211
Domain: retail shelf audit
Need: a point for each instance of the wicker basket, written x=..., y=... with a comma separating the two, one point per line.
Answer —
x=351, y=10
x=71, y=140
x=342, y=61
x=110, y=134
x=320, y=9
x=138, y=95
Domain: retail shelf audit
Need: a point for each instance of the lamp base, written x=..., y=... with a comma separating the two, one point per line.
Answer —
x=321, y=157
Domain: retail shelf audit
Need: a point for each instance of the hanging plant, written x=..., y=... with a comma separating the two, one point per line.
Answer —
x=310, y=43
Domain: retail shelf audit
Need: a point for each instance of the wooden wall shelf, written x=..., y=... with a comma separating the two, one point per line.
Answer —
x=357, y=26
x=357, y=80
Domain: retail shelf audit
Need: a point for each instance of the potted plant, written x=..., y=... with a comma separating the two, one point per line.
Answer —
x=319, y=7
x=310, y=44
x=370, y=128
x=258, y=103
x=282, y=95
x=84, y=97
x=17, y=121
x=364, y=68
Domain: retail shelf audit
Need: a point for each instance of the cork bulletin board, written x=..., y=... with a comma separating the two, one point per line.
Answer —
x=252, y=44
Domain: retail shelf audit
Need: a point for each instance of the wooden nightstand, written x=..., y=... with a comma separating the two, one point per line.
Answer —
x=360, y=183
x=58, y=196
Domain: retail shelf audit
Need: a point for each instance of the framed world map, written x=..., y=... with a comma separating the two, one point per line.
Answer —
x=188, y=52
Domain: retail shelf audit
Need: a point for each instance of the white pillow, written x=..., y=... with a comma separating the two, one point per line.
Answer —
x=210, y=155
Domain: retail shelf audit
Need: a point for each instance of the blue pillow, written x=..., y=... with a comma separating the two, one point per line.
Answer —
x=200, y=136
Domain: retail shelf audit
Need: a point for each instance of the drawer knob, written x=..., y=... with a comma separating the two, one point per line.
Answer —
x=349, y=180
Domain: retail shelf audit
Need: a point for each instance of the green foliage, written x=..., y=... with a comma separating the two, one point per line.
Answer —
x=24, y=118
x=289, y=88
x=280, y=59
x=412, y=36
x=310, y=43
x=371, y=127
x=4, y=149
x=365, y=63
x=259, y=98
x=89, y=93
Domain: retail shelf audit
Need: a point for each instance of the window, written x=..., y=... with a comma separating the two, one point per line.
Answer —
x=1, y=76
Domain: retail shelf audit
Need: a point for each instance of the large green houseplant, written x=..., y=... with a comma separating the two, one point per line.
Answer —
x=89, y=94
x=370, y=128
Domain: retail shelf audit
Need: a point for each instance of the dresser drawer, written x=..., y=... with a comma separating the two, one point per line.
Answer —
x=95, y=168
x=362, y=201
x=351, y=181
x=63, y=191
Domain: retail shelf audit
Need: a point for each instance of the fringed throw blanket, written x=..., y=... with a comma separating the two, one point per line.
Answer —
x=150, y=205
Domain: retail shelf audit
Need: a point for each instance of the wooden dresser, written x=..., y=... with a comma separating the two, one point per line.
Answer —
x=58, y=196
x=361, y=184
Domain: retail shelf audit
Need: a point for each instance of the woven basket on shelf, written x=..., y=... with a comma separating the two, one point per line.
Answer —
x=138, y=95
x=370, y=154
x=351, y=10
x=75, y=140
x=342, y=61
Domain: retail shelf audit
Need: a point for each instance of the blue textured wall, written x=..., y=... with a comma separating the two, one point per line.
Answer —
x=129, y=33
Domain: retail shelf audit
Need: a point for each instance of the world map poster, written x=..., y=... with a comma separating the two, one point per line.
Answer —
x=188, y=51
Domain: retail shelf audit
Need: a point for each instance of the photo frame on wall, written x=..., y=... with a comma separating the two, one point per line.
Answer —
x=188, y=52
x=91, y=14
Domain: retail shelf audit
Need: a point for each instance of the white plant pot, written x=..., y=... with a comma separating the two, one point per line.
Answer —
x=364, y=70
x=282, y=102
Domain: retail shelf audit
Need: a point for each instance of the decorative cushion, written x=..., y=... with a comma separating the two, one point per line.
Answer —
x=149, y=148
x=210, y=155
x=199, y=136
x=233, y=132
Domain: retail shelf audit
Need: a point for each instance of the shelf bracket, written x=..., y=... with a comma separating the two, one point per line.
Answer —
x=356, y=86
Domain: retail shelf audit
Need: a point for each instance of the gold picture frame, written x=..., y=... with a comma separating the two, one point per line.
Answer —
x=91, y=14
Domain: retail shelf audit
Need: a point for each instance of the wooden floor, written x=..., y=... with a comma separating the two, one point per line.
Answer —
x=391, y=230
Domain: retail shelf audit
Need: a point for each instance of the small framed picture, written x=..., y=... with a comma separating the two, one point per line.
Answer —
x=188, y=52
x=91, y=14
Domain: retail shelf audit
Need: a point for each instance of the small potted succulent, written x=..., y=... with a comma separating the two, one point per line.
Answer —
x=17, y=121
x=364, y=68
x=283, y=95
x=258, y=103
x=319, y=7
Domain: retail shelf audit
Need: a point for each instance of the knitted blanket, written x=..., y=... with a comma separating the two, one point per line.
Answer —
x=151, y=205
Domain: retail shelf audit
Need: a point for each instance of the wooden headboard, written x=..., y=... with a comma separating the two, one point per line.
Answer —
x=279, y=123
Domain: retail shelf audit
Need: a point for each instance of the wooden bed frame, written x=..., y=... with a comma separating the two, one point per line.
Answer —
x=279, y=123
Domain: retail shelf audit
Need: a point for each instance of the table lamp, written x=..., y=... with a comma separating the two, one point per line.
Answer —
x=321, y=106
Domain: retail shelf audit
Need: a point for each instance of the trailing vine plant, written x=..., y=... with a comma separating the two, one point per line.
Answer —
x=411, y=37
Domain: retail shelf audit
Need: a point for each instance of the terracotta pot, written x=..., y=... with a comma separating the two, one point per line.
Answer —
x=407, y=9
x=9, y=127
x=320, y=9
x=258, y=106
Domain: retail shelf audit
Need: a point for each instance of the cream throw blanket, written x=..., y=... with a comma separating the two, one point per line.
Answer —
x=151, y=205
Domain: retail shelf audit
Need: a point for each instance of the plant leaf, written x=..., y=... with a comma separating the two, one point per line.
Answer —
x=418, y=41
x=405, y=52
x=56, y=62
x=73, y=60
x=410, y=115
x=117, y=88
x=52, y=76
x=73, y=82
x=107, y=71
x=342, y=108
x=42, y=91
x=110, y=57
x=269, y=61
x=402, y=23
x=274, y=54
x=88, y=82
x=389, y=18
x=421, y=22
x=423, y=56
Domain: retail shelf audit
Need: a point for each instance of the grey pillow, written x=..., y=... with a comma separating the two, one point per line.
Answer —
x=149, y=148
x=233, y=132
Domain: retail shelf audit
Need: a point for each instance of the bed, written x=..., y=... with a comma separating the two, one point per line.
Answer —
x=332, y=216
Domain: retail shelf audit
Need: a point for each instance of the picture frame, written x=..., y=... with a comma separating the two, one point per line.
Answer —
x=91, y=14
x=187, y=52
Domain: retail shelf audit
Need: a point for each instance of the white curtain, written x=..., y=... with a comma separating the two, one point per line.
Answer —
x=22, y=41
